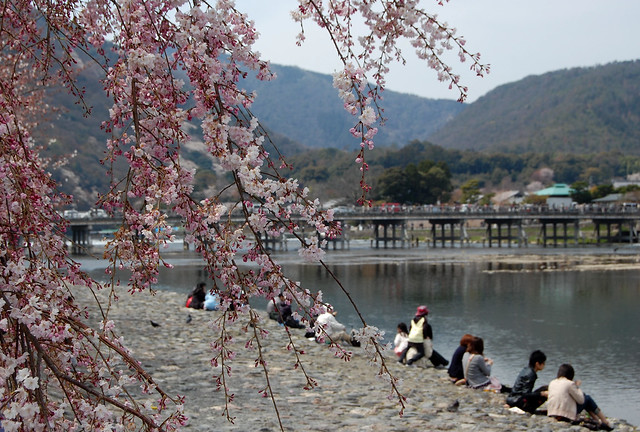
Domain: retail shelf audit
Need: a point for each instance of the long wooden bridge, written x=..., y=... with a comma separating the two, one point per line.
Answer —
x=448, y=226
x=557, y=227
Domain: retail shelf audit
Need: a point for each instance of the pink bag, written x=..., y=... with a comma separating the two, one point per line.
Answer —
x=494, y=385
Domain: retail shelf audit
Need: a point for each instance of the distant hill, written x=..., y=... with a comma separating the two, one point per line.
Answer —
x=305, y=107
x=581, y=110
x=585, y=110
x=300, y=110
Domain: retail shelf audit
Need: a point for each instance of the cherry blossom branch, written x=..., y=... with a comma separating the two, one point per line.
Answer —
x=371, y=336
x=99, y=396
x=387, y=24
x=175, y=63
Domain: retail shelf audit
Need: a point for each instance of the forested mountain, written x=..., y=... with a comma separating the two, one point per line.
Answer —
x=581, y=123
x=305, y=107
x=581, y=110
x=300, y=110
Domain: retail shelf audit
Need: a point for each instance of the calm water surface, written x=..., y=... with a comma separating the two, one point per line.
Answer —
x=587, y=318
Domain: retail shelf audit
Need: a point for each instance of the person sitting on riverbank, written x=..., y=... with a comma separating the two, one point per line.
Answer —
x=197, y=296
x=421, y=340
x=436, y=359
x=328, y=326
x=566, y=400
x=477, y=368
x=523, y=395
x=211, y=301
x=401, y=340
x=276, y=307
x=418, y=333
x=286, y=315
x=456, y=371
x=281, y=311
x=272, y=308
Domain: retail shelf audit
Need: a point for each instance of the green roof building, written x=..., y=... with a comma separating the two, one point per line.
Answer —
x=558, y=195
x=557, y=190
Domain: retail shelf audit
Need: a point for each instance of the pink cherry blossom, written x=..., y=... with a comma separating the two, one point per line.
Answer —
x=149, y=41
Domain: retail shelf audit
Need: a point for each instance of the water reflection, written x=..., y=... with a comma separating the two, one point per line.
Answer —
x=587, y=318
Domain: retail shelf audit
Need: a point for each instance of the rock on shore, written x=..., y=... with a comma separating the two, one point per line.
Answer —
x=349, y=396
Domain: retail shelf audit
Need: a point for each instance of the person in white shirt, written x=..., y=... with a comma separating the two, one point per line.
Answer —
x=330, y=328
x=566, y=400
x=401, y=340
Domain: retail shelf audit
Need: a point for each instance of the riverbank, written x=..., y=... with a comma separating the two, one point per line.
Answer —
x=348, y=397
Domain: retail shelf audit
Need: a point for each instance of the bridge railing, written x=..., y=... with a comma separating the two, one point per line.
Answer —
x=489, y=211
x=433, y=211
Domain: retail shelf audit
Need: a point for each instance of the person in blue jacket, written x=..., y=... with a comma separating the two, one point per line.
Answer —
x=211, y=301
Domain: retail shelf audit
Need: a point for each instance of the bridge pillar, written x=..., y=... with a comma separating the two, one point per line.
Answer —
x=621, y=235
x=341, y=240
x=272, y=242
x=566, y=236
x=80, y=240
x=394, y=225
x=443, y=237
x=509, y=237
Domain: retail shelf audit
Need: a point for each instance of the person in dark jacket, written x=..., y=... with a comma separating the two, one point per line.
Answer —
x=286, y=315
x=456, y=371
x=281, y=311
x=436, y=358
x=197, y=296
x=523, y=395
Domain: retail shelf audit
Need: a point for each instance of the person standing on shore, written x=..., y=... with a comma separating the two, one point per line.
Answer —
x=522, y=395
x=566, y=400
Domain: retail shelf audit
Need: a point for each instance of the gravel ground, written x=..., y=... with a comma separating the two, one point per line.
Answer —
x=349, y=395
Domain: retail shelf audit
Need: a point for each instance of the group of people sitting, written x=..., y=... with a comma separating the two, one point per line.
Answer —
x=329, y=328
x=279, y=309
x=201, y=298
x=413, y=344
x=469, y=367
x=563, y=397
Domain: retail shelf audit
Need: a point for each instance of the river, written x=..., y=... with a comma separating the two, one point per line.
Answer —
x=587, y=317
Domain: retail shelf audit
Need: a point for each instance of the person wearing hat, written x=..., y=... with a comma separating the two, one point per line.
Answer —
x=418, y=332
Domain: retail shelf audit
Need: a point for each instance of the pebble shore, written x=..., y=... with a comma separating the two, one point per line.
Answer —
x=349, y=396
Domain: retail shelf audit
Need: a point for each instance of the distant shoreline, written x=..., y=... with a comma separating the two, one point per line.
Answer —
x=614, y=257
x=531, y=258
x=608, y=256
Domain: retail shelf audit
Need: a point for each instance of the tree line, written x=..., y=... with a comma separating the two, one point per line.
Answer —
x=425, y=173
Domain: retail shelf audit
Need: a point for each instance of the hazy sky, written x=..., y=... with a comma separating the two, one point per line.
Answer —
x=517, y=37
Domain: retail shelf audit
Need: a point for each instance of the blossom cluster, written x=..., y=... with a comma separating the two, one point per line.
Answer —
x=385, y=24
x=169, y=66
